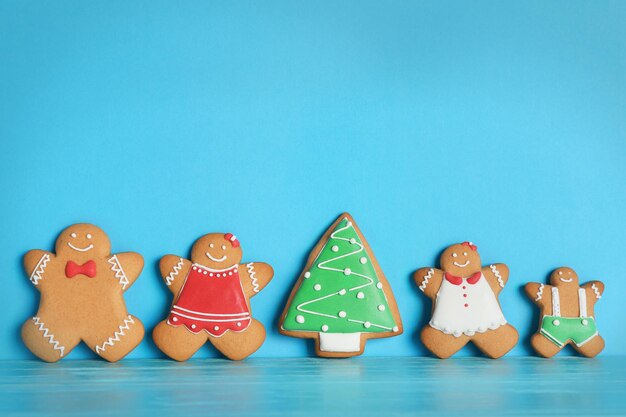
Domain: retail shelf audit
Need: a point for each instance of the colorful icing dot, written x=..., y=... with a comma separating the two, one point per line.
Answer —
x=342, y=314
x=335, y=248
x=585, y=322
x=363, y=260
x=238, y=324
x=174, y=318
x=342, y=291
x=216, y=328
x=317, y=287
x=367, y=324
x=395, y=328
x=353, y=241
x=360, y=295
x=381, y=308
x=193, y=326
x=324, y=328
x=347, y=271
x=556, y=322
x=379, y=285
x=307, y=274
x=300, y=319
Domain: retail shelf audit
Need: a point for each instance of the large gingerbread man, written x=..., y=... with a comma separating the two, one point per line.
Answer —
x=566, y=314
x=82, y=288
x=465, y=304
x=212, y=300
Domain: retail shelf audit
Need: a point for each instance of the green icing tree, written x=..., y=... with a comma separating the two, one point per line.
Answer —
x=340, y=293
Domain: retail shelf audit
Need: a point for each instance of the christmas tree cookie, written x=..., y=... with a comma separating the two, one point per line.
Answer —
x=342, y=297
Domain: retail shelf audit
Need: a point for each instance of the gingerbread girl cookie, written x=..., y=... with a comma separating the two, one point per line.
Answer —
x=465, y=304
x=566, y=314
x=212, y=300
x=82, y=288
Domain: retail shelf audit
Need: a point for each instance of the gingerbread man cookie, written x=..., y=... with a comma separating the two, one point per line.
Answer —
x=82, y=288
x=212, y=300
x=566, y=314
x=465, y=304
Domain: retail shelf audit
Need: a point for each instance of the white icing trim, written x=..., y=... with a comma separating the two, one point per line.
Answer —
x=116, y=266
x=495, y=271
x=211, y=314
x=211, y=320
x=462, y=265
x=322, y=265
x=556, y=304
x=252, y=274
x=116, y=336
x=340, y=342
x=80, y=249
x=174, y=273
x=222, y=259
x=539, y=292
x=47, y=335
x=427, y=278
x=36, y=275
x=582, y=302
x=368, y=324
x=471, y=331
x=230, y=268
x=595, y=290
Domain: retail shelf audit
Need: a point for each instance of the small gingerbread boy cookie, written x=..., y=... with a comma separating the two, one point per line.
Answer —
x=465, y=304
x=212, y=295
x=566, y=314
x=82, y=288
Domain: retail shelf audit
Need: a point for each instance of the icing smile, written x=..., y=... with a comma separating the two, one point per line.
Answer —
x=80, y=249
x=222, y=259
x=566, y=280
x=462, y=265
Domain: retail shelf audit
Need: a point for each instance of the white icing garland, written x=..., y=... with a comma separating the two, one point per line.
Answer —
x=595, y=290
x=119, y=272
x=116, y=336
x=497, y=274
x=539, y=293
x=36, y=275
x=47, y=335
x=322, y=265
x=428, y=276
x=252, y=274
x=175, y=270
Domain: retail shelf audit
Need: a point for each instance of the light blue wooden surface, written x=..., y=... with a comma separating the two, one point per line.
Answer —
x=514, y=386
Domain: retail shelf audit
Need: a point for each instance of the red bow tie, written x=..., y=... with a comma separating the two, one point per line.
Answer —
x=88, y=268
x=453, y=279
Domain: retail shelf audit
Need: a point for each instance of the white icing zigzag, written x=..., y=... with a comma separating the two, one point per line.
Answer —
x=322, y=265
x=595, y=290
x=38, y=271
x=497, y=274
x=252, y=273
x=119, y=272
x=116, y=336
x=170, y=278
x=47, y=335
x=539, y=293
x=428, y=276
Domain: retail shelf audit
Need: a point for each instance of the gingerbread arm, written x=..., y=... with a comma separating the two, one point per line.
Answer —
x=254, y=277
x=35, y=264
x=174, y=269
x=126, y=266
x=428, y=280
x=539, y=293
x=497, y=275
x=594, y=290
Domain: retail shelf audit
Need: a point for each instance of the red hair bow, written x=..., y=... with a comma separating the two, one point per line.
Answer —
x=232, y=239
x=470, y=245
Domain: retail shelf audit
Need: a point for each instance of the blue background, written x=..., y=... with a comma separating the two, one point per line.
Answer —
x=431, y=123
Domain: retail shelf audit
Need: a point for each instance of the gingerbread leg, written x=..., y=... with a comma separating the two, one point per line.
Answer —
x=46, y=340
x=114, y=339
x=177, y=342
x=238, y=346
x=543, y=346
x=496, y=343
x=440, y=344
x=592, y=347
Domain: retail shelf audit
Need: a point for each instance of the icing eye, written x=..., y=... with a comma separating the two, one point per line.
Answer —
x=454, y=255
x=560, y=272
x=73, y=235
x=88, y=235
x=464, y=253
x=211, y=245
x=223, y=247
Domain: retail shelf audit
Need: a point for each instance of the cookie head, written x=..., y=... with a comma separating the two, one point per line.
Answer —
x=83, y=241
x=217, y=251
x=461, y=259
x=564, y=276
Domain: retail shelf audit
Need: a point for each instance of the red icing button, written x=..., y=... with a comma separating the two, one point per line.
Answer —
x=466, y=305
x=464, y=287
x=464, y=295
